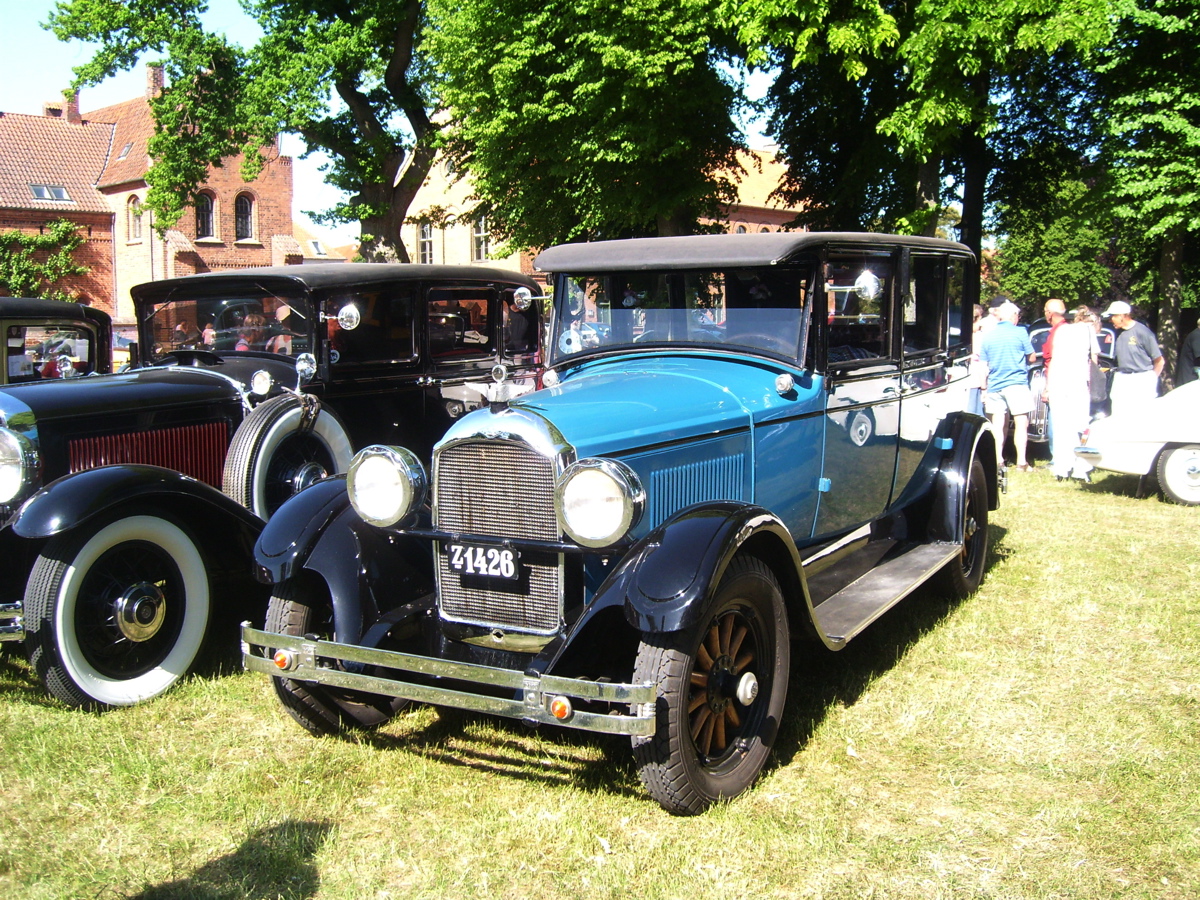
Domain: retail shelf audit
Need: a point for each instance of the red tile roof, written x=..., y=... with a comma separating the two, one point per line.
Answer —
x=134, y=123
x=51, y=151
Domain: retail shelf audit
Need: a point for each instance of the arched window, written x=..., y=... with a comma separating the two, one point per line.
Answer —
x=764, y=230
x=134, y=223
x=741, y=229
x=425, y=244
x=204, y=216
x=243, y=209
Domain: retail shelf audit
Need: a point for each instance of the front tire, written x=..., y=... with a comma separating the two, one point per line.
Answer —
x=116, y=613
x=283, y=446
x=721, y=688
x=1179, y=474
x=961, y=577
x=300, y=607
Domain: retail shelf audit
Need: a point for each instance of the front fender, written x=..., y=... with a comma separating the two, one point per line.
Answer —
x=70, y=501
x=663, y=581
x=368, y=571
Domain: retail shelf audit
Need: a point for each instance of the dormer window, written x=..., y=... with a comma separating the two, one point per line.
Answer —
x=125, y=150
x=49, y=192
x=318, y=250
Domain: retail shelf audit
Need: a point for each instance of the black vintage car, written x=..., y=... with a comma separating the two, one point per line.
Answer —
x=47, y=339
x=632, y=549
x=130, y=502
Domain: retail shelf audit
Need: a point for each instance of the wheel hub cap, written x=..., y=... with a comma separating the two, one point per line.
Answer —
x=308, y=474
x=140, y=611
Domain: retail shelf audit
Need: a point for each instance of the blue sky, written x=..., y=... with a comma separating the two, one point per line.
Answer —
x=36, y=67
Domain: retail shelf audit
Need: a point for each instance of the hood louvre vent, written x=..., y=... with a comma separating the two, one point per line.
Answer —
x=195, y=450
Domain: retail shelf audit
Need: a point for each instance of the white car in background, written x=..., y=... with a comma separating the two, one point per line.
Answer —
x=1161, y=438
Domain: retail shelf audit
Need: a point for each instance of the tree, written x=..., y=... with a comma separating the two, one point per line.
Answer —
x=31, y=264
x=586, y=118
x=1150, y=81
x=222, y=99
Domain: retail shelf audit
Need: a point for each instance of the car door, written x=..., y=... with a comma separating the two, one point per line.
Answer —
x=863, y=383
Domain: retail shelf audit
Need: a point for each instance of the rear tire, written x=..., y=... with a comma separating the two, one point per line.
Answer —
x=280, y=449
x=298, y=608
x=960, y=577
x=713, y=732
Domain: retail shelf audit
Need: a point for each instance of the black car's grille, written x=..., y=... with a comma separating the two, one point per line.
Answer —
x=500, y=490
x=195, y=450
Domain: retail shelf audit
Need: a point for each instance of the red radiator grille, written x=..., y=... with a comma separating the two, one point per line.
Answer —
x=195, y=450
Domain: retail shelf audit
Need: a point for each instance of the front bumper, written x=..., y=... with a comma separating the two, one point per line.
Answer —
x=12, y=626
x=533, y=694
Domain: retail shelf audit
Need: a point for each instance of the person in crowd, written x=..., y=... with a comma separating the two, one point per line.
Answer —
x=1068, y=385
x=250, y=335
x=1006, y=352
x=1055, y=313
x=1187, y=368
x=1139, y=360
x=977, y=373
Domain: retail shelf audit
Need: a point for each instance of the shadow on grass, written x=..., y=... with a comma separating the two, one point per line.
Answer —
x=274, y=862
x=820, y=681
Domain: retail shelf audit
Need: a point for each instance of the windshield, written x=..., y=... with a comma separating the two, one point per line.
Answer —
x=763, y=311
x=230, y=323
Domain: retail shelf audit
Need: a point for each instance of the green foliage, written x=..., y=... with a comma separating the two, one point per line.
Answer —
x=346, y=77
x=30, y=264
x=1055, y=249
x=585, y=117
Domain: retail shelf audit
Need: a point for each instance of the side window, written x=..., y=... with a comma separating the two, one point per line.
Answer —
x=960, y=309
x=520, y=326
x=41, y=351
x=459, y=321
x=858, y=292
x=385, y=330
x=923, y=304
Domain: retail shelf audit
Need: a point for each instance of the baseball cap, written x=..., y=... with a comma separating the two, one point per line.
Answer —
x=1118, y=308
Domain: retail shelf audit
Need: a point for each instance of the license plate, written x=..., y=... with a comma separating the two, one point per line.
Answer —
x=489, y=562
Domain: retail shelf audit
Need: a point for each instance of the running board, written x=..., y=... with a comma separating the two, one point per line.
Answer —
x=858, y=604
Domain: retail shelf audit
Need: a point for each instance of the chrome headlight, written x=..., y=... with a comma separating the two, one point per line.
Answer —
x=261, y=383
x=18, y=466
x=386, y=484
x=599, y=501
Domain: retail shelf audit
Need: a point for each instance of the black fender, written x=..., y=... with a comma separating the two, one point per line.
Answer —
x=72, y=500
x=970, y=437
x=368, y=571
x=665, y=579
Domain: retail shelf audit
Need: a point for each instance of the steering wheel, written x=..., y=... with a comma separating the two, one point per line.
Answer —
x=192, y=357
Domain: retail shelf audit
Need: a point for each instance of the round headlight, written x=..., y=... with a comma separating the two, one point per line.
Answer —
x=260, y=383
x=386, y=484
x=16, y=466
x=599, y=501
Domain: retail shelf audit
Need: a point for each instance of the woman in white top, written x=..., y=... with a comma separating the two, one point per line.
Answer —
x=1069, y=392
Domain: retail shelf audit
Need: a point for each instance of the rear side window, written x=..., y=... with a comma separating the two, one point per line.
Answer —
x=40, y=351
x=924, y=308
x=460, y=322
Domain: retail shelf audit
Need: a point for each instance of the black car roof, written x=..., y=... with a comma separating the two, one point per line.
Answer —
x=325, y=275
x=714, y=251
x=34, y=308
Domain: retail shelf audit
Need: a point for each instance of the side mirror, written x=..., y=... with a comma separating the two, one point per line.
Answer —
x=522, y=299
x=867, y=285
x=348, y=317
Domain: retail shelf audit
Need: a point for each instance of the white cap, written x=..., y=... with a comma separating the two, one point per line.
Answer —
x=1118, y=308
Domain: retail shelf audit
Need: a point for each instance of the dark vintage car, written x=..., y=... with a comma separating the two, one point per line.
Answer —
x=48, y=339
x=631, y=549
x=130, y=502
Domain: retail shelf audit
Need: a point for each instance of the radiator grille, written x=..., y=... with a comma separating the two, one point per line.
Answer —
x=499, y=489
x=195, y=450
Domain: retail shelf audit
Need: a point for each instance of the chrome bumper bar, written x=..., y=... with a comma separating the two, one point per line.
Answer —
x=14, y=630
x=534, y=693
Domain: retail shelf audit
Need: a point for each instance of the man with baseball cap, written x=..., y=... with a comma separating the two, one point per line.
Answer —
x=1139, y=359
x=1005, y=352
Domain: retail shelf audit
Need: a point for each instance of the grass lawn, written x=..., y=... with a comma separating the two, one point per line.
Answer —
x=1040, y=740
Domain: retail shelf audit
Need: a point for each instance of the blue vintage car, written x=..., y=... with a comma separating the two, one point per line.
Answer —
x=741, y=440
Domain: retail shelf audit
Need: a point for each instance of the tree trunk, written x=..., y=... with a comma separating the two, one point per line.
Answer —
x=1170, y=279
x=929, y=194
x=975, y=175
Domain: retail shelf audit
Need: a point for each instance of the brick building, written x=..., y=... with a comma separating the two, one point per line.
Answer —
x=90, y=168
x=442, y=229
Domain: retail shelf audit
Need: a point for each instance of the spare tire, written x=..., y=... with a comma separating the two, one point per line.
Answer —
x=283, y=446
